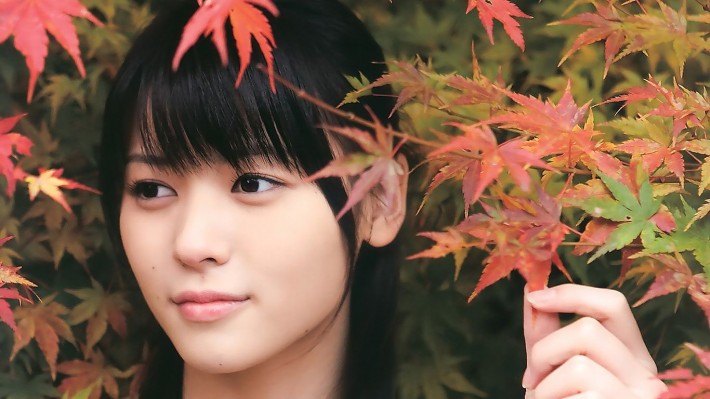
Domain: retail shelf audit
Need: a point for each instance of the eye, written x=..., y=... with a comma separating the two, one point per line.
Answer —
x=253, y=184
x=147, y=190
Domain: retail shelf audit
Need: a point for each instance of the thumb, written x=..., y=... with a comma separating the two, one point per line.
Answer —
x=536, y=326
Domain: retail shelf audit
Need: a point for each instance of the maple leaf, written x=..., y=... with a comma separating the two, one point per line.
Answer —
x=376, y=167
x=605, y=25
x=491, y=160
x=49, y=182
x=693, y=239
x=638, y=213
x=5, y=309
x=595, y=234
x=42, y=322
x=95, y=373
x=30, y=20
x=557, y=131
x=674, y=275
x=247, y=19
x=503, y=11
x=525, y=235
x=689, y=386
x=100, y=309
x=11, y=143
x=687, y=108
x=655, y=154
x=451, y=241
x=414, y=81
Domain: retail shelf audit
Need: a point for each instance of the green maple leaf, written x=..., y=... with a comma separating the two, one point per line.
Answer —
x=695, y=239
x=633, y=213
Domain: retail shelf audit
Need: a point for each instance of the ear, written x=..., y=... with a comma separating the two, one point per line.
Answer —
x=387, y=211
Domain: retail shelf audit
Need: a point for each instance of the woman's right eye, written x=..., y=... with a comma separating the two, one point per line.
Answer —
x=149, y=190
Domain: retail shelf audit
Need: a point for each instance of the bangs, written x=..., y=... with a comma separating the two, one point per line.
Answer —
x=191, y=116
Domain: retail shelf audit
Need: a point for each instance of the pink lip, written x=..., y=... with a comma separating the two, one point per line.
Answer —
x=207, y=306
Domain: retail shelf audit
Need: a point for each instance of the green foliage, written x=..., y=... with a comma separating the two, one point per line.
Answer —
x=448, y=348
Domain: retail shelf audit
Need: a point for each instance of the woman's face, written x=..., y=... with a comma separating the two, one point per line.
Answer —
x=238, y=269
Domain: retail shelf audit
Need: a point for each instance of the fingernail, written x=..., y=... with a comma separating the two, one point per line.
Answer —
x=541, y=297
x=529, y=394
x=526, y=379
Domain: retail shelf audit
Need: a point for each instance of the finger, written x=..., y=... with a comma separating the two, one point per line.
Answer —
x=581, y=375
x=536, y=326
x=586, y=337
x=608, y=306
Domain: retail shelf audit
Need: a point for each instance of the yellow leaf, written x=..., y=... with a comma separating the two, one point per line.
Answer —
x=49, y=182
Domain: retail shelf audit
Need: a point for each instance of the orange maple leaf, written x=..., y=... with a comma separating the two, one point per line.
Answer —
x=49, y=182
x=557, y=131
x=525, y=235
x=95, y=373
x=11, y=143
x=247, y=21
x=43, y=322
x=451, y=241
x=654, y=154
x=30, y=20
x=505, y=12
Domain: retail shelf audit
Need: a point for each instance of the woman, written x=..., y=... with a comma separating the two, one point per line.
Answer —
x=259, y=291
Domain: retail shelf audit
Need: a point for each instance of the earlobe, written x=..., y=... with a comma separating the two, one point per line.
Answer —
x=387, y=213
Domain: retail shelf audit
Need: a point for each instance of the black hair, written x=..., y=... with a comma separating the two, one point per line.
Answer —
x=189, y=115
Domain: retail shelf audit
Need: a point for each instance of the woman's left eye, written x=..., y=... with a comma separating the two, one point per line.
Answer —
x=253, y=184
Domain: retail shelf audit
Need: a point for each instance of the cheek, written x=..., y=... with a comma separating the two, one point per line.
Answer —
x=141, y=239
x=303, y=254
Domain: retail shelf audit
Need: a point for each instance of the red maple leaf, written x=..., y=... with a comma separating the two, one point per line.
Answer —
x=525, y=235
x=30, y=20
x=488, y=160
x=247, y=19
x=503, y=11
x=557, y=131
x=605, y=25
x=687, y=108
x=689, y=385
x=376, y=166
x=6, y=315
x=10, y=144
x=674, y=276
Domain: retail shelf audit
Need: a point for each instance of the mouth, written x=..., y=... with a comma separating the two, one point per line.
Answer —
x=208, y=306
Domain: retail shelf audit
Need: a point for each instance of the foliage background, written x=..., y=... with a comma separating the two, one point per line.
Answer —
x=448, y=348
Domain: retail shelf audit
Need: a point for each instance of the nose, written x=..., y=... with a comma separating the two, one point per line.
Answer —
x=201, y=235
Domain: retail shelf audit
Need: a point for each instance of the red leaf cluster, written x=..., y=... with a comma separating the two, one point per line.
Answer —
x=503, y=11
x=688, y=385
x=247, y=20
x=30, y=20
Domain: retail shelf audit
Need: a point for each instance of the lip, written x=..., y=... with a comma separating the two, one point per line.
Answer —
x=207, y=306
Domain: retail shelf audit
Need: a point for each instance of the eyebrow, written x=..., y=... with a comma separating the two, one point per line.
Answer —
x=147, y=159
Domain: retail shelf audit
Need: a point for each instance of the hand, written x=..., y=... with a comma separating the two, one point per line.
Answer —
x=601, y=355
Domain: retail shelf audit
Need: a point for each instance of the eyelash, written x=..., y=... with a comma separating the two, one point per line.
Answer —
x=136, y=188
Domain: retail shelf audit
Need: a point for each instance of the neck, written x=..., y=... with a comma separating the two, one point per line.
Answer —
x=309, y=369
